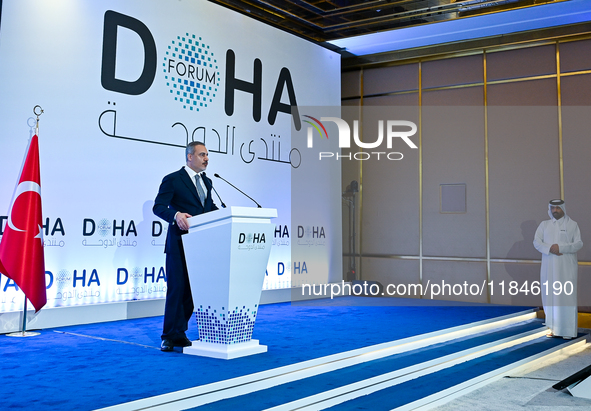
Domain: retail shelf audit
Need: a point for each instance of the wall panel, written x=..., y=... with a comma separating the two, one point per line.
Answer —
x=523, y=62
x=576, y=115
x=576, y=90
x=390, y=212
x=457, y=273
x=391, y=271
x=524, y=93
x=391, y=79
x=407, y=99
x=452, y=72
x=465, y=96
x=524, y=175
x=351, y=84
x=583, y=287
x=502, y=274
x=577, y=169
x=575, y=56
x=453, y=152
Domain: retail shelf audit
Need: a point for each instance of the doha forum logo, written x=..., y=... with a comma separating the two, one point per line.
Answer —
x=191, y=72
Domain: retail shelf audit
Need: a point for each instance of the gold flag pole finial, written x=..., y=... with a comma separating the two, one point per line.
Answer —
x=35, y=109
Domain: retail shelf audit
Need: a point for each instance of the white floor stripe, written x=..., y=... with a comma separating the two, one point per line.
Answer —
x=468, y=386
x=212, y=392
x=365, y=387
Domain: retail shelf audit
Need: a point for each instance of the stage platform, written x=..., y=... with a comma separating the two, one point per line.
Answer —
x=347, y=353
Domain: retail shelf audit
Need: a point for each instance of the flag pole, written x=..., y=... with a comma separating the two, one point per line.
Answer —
x=24, y=332
x=25, y=317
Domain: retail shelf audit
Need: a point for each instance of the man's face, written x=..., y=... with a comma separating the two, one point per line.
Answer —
x=557, y=212
x=199, y=159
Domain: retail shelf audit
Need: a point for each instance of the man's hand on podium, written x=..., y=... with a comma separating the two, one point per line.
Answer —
x=181, y=220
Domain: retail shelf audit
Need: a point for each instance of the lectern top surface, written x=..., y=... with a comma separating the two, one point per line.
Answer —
x=233, y=212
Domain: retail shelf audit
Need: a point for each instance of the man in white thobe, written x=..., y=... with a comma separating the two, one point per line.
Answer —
x=559, y=239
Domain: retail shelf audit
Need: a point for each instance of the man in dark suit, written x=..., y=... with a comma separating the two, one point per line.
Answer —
x=182, y=194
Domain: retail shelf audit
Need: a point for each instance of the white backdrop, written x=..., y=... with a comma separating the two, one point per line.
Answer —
x=107, y=137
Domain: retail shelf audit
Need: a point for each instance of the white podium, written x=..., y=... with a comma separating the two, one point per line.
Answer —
x=227, y=252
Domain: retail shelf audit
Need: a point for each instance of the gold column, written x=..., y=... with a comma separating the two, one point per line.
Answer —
x=360, y=219
x=559, y=95
x=486, y=182
x=420, y=125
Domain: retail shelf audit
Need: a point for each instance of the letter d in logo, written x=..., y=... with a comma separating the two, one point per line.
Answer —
x=113, y=20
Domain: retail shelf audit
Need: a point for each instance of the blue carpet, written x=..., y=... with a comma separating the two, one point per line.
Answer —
x=66, y=369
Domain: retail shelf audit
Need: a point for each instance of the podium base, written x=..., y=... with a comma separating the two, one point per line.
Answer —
x=225, y=351
x=23, y=334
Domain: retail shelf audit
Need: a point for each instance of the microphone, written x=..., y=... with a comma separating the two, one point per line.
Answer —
x=216, y=192
x=218, y=176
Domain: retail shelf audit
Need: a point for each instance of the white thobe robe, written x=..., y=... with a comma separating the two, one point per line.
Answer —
x=561, y=310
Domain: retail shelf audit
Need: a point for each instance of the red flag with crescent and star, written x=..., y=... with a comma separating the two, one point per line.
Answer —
x=21, y=248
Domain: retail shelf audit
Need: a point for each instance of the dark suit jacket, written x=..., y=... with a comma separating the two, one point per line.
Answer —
x=178, y=193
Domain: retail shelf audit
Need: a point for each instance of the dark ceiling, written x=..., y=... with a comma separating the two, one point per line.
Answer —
x=324, y=20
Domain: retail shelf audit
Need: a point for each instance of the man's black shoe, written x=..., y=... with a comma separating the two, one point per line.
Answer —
x=166, y=345
x=182, y=342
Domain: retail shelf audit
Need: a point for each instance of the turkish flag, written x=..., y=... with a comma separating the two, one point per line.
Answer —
x=21, y=248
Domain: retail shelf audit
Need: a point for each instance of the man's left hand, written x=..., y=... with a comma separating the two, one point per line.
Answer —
x=555, y=250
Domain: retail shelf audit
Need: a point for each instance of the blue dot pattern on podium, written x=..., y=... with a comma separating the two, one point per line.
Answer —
x=224, y=326
x=191, y=72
